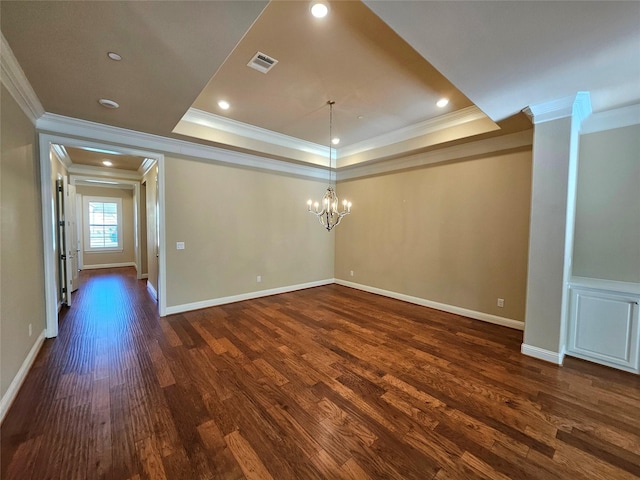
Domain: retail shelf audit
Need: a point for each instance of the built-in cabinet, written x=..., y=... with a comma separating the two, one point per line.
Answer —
x=603, y=323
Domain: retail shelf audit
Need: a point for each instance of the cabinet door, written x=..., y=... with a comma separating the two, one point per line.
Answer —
x=604, y=328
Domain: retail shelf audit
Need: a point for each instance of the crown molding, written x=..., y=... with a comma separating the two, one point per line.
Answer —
x=61, y=125
x=145, y=166
x=448, y=120
x=61, y=155
x=217, y=122
x=574, y=105
x=611, y=119
x=93, y=171
x=13, y=77
x=481, y=147
x=96, y=181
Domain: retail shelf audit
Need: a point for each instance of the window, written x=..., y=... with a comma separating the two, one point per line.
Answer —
x=103, y=224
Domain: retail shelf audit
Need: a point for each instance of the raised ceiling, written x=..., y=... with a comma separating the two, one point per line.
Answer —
x=388, y=61
x=351, y=57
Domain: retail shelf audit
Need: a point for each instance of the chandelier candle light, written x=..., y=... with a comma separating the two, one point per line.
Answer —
x=327, y=211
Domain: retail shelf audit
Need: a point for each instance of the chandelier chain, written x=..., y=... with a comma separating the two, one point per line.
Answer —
x=331, y=179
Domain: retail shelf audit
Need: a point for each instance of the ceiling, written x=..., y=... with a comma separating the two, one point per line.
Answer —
x=385, y=61
x=92, y=158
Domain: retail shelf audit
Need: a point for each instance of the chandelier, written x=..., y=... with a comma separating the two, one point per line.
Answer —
x=327, y=210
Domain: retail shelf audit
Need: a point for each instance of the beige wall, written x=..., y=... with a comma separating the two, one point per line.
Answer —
x=236, y=224
x=607, y=232
x=151, y=247
x=21, y=245
x=454, y=233
x=128, y=254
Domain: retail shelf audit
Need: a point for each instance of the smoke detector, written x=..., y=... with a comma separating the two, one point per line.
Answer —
x=262, y=62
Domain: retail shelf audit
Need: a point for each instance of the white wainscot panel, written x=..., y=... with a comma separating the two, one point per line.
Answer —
x=603, y=328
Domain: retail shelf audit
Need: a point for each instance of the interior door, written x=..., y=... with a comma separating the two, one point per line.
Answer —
x=79, y=234
x=64, y=294
x=73, y=278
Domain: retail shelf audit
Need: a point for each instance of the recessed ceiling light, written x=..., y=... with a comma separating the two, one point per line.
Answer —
x=319, y=8
x=335, y=141
x=107, y=163
x=443, y=102
x=360, y=117
x=223, y=104
x=114, y=56
x=108, y=103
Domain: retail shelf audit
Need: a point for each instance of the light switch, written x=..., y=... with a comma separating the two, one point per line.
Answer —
x=179, y=245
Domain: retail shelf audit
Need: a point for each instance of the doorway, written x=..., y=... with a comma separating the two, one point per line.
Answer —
x=64, y=255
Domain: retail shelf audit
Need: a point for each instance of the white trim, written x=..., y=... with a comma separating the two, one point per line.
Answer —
x=14, y=78
x=560, y=108
x=485, y=317
x=61, y=154
x=109, y=265
x=48, y=237
x=100, y=183
x=94, y=171
x=152, y=290
x=145, y=166
x=62, y=125
x=611, y=119
x=542, y=354
x=217, y=122
x=144, y=276
x=244, y=296
x=490, y=145
x=448, y=120
x=18, y=380
x=603, y=284
x=162, y=248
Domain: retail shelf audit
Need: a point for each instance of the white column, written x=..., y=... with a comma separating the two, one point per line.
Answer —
x=555, y=163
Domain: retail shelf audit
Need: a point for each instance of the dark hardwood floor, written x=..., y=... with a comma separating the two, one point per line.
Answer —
x=328, y=382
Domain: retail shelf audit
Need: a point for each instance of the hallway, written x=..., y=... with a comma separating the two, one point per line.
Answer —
x=75, y=405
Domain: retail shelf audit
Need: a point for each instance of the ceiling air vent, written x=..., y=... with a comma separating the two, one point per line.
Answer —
x=261, y=62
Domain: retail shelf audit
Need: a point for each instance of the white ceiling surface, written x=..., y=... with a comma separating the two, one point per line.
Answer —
x=505, y=56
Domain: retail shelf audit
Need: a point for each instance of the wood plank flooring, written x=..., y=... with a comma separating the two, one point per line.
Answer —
x=324, y=383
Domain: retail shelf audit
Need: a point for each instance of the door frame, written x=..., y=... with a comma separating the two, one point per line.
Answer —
x=45, y=141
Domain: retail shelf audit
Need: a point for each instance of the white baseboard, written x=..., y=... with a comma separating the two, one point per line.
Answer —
x=542, y=354
x=144, y=276
x=244, y=296
x=485, y=317
x=152, y=290
x=16, y=383
x=109, y=265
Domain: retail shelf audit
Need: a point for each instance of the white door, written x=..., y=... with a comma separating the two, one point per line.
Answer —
x=73, y=279
x=79, y=233
x=64, y=295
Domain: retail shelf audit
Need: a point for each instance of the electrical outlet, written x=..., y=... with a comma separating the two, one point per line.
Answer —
x=179, y=245
x=30, y=330
x=259, y=278
x=501, y=302
x=351, y=273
